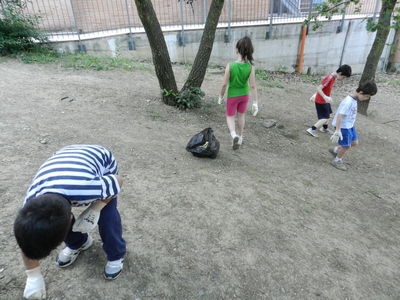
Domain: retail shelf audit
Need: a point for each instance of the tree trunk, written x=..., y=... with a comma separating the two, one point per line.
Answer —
x=159, y=50
x=200, y=64
x=394, y=53
x=382, y=32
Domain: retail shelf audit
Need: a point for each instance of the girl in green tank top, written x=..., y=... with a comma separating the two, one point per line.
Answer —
x=239, y=79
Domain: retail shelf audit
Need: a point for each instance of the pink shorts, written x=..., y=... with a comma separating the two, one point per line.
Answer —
x=236, y=104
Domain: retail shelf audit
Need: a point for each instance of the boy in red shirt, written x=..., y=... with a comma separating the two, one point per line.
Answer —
x=323, y=100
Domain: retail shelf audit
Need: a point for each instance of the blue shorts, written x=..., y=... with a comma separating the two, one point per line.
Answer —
x=323, y=110
x=349, y=135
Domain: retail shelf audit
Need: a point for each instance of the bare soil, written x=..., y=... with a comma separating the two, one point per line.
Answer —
x=272, y=220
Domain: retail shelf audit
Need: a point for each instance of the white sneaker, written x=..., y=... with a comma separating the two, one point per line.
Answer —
x=67, y=256
x=235, y=143
x=312, y=132
x=113, y=269
x=240, y=142
x=322, y=129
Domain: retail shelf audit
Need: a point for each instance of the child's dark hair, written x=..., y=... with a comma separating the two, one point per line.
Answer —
x=368, y=88
x=344, y=70
x=42, y=224
x=245, y=48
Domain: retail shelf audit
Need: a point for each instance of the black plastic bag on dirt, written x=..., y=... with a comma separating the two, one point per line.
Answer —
x=204, y=144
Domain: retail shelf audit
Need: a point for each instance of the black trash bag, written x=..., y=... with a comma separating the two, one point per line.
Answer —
x=204, y=144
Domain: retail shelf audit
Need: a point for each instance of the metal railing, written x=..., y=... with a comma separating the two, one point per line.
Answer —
x=81, y=19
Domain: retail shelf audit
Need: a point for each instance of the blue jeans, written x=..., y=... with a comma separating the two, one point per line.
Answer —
x=110, y=229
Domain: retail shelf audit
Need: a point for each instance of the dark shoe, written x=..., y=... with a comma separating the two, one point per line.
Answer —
x=235, y=143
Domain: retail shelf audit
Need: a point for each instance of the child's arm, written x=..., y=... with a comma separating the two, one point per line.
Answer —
x=34, y=287
x=253, y=90
x=338, y=133
x=225, y=81
x=321, y=93
x=253, y=87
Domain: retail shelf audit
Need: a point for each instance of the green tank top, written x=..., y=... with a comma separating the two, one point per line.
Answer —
x=239, y=79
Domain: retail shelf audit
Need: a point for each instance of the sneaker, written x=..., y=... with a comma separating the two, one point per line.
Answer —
x=235, y=143
x=339, y=165
x=332, y=151
x=67, y=256
x=113, y=269
x=240, y=142
x=327, y=130
x=312, y=132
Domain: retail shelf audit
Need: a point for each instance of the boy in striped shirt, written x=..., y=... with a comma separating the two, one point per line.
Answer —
x=77, y=175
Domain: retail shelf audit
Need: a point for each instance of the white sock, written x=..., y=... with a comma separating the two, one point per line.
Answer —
x=338, y=159
x=233, y=134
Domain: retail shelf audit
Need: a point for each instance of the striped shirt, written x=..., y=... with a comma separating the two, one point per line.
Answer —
x=80, y=173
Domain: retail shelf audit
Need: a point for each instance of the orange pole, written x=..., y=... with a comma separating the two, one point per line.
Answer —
x=303, y=41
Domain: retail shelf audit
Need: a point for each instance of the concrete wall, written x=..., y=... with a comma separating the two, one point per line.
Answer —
x=324, y=49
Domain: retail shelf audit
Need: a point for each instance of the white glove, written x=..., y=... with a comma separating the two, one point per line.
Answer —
x=312, y=99
x=34, y=287
x=328, y=99
x=336, y=136
x=89, y=218
x=254, y=109
x=220, y=100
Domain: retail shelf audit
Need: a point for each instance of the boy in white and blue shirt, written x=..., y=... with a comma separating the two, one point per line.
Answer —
x=345, y=133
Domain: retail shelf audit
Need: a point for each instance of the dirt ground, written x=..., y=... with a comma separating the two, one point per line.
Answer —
x=273, y=220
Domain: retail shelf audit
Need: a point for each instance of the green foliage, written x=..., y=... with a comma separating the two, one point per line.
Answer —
x=328, y=9
x=311, y=79
x=190, y=98
x=265, y=79
x=263, y=75
x=169, y=93
x=19, y=32
x=156, y=116
x=83, y=61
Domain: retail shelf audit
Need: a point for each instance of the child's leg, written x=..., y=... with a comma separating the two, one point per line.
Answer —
x=341, y=151
x=74, y=240
x=230, y=121
x=241, y=110
x=350, y=139
x=241, y=121
x=320, y=123
x=110, y=229
x=231, y=107
x=323, y=112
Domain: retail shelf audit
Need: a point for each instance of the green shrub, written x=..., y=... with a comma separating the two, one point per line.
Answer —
x=19, y=32
x=189, y=98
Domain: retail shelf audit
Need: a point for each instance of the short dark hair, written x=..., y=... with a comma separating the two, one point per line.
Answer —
x=42, y=224
x=344, y=70
x=368, y=88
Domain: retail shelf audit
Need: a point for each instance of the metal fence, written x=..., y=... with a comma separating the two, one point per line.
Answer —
x=77, y=19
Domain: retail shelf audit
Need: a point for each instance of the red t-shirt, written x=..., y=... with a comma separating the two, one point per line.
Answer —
x=327, y=82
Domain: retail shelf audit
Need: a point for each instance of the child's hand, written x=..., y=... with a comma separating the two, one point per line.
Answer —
x=328, y=99
x=34, y=287
x=220, y=100
x=254, y=109
x=89, y=218
x=312, y=99
x=336, y=136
